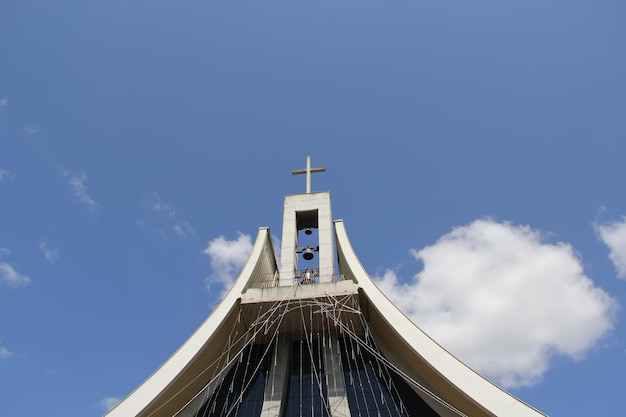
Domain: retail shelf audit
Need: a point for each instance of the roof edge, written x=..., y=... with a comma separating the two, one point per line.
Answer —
x=151, y=390
x=493, y=399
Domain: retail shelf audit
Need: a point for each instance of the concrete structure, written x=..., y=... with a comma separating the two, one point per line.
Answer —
x=319, y=340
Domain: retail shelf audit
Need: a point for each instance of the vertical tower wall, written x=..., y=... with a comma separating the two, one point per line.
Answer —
x=303, y=203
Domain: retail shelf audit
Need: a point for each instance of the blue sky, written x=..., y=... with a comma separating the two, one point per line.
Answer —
x=474, y=150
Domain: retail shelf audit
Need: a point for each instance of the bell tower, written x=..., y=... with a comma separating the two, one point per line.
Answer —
x=307, y=253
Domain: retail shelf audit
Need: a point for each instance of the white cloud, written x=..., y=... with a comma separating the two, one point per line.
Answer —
x=4, y=353
x=10, y=277
x=183, y=229
x=50, y=253
x=154, y=203
x=228, y=258
x=4, y=174
x=31, y=130
x=165, y=219
x=4, y=102
x=613, y=234
x=107, y=404
x=504, y=301
x=79, y=188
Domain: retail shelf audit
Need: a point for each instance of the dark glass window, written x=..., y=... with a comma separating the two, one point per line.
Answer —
x=373, y=390
x=228, y=400
x=308, y=395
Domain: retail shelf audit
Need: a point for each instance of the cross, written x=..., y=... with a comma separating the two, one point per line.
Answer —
x=308, y=172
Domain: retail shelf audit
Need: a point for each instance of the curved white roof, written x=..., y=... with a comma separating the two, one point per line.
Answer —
x=449, y=386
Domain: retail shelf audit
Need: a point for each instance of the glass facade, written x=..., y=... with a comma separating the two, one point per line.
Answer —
x=241, y=393
x=307, y=395
x=371, y=389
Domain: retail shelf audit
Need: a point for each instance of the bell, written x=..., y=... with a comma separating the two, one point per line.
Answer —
x=308, y=231
x=308, y=254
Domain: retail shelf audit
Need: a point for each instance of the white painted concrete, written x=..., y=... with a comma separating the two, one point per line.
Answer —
x=301, y=203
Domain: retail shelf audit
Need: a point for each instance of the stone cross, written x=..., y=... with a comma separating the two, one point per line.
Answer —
x=308, y=172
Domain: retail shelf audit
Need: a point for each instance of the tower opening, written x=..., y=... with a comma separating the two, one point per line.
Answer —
x=307, y=227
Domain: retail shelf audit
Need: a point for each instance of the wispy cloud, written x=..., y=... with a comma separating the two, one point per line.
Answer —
x=4, y=102
x=504, y=300
x=613, y=234
x=5, y=174
x=8, y=275
x=54, y=371
x=51, y=254
x=31, y=130
x=4, y=352
x=155, y=203
x=228, y=257
x=107, y=404
x=184, y=229
x=77, y=182
x=164, y=219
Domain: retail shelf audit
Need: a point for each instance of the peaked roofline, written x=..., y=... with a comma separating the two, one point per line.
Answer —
x=448, y=385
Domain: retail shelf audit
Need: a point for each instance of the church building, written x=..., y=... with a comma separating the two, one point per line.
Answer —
x=313, y=336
